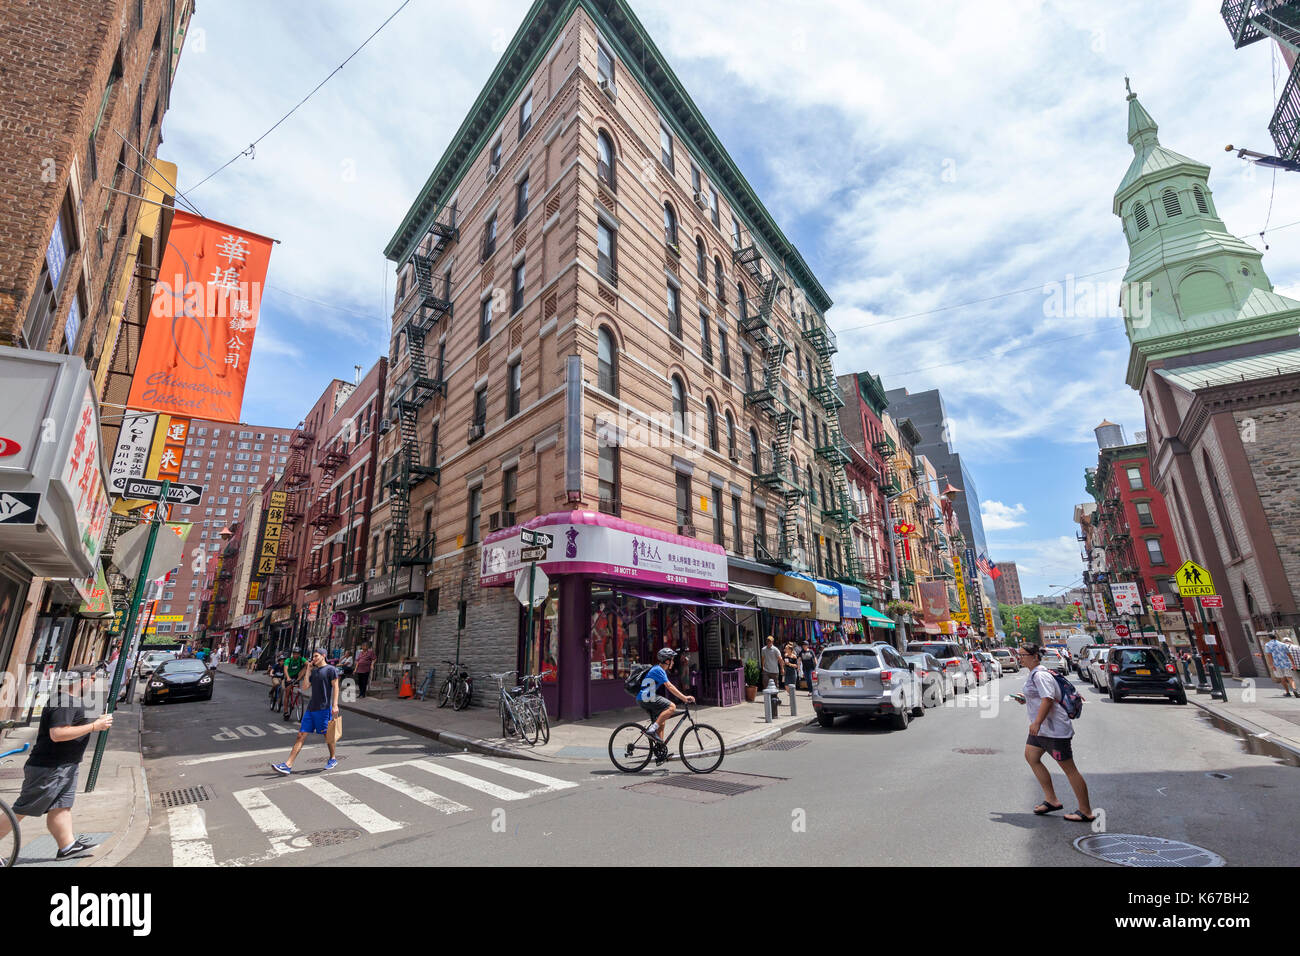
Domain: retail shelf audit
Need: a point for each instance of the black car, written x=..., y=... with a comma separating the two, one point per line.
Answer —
x=1140, y=671
x=179, y=678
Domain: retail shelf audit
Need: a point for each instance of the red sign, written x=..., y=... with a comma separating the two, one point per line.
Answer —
x=1121, y=630
x=1158, y=602
x=1212, y=600
x=194, y=357
x=963, y=631
x=9, y=447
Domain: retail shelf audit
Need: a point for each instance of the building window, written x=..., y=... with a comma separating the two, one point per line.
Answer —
x=711, y=413
x=683, y=499
x=754, y=463
x=472, y=526
x=679, y=405
x=606, y=262
x=606, y=362
x=713, y=207
x=1153, y=551
x=701, y=261
x=706, y=339
x=1145, y=518
x=731, y=437
x=742, y=302
x=607, y=477
x=674, y=311
x=760, y=525
x=521, y=200
x=480, y=407
x=737, y=542
x=735, y=233
x=494, y=159
x=719, y=289
x=722, y=348
x=1201, y=206
x=747, y=361
x=1140, y=216
x=605, y=160
x=1172, y=206
x=509, y=486
x=1134, y=478
x=604, y=63
x=514, y=377
x=695, y=179
x=666, y=147
x=526, y=116
x=485, y=320
x=670, y=226
x=719, y=536
x=517, y=297
x=490, y=237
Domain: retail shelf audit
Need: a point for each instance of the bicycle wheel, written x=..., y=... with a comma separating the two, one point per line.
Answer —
x=461, y=695
x=543, y=722
x=527, y=719
x=298, y=707
x=507, y=723
x=702, y=749
x=444, y=695
x=629, y=747
x=10, y=842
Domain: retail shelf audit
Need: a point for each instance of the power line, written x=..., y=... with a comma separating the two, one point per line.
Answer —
x=249, y=151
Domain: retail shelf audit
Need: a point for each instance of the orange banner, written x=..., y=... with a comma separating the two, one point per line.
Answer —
x=194, y=357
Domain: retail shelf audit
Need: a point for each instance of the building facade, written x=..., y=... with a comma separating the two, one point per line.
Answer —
x=1007, y=584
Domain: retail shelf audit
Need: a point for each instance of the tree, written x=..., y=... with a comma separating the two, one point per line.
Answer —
x=1030, y=615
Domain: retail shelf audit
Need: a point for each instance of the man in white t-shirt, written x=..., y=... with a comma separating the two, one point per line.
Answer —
x=772, y=662
x=1050, y=731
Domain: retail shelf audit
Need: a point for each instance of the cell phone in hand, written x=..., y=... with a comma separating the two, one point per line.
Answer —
x=1019, y=698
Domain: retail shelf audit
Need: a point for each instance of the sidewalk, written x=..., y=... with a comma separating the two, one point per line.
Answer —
x=115, y=817
x=478, y=728
x=1257, y=708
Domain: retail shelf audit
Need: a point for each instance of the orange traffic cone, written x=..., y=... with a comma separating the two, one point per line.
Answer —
x=406, y=690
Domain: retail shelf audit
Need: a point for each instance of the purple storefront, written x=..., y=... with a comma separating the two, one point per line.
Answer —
x=618, y=593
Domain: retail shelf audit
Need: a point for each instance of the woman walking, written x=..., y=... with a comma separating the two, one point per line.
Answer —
x=1050, y=731
x=791, y=665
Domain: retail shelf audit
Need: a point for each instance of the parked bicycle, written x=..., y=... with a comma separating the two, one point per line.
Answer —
x=522, y=708
x=631, y=745
x=12, y=840
x=458, y=688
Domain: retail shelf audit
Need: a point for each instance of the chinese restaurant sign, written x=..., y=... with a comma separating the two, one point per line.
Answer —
x=270, y=545
x=194, y=357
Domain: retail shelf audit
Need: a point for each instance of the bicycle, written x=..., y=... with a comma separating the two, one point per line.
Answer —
x=276, y=694
x=294, y=702
x=517, y=713
x=11, y=841
x=532, y=684
x=458, y=688
x=631, y=745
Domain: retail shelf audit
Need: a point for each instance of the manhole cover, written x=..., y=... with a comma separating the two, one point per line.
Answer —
x=694, y=781
x=183, y=796
x=1218, y=775
x=331, y=837
x=784, y=745
x=978, y=751
x=1128, y=849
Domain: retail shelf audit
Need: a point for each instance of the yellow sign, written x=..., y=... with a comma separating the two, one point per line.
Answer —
x=964, y=616
x=270, y=549
x=169, y=617
x=254, y=588
x=1193, y=580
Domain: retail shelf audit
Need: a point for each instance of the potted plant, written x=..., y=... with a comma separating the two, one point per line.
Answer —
x=899, y=608
x=751, y=680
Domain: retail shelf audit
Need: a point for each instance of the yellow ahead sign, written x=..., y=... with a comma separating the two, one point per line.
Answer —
x=1194, y=580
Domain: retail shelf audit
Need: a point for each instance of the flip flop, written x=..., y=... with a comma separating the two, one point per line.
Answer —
x=1045, y=808
x=1078, y=816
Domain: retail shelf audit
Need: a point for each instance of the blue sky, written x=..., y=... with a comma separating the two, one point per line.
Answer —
x=922, y=158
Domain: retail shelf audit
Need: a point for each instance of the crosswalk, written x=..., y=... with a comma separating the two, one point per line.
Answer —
x=281, y=815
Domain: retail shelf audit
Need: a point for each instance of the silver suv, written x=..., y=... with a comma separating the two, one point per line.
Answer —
x=871, y=679
x=953, y=659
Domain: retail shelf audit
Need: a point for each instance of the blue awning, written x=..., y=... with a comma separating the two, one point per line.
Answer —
x=850, y=598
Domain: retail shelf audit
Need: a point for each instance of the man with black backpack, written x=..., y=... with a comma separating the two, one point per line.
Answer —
x=1052, y=702
x=654, y=681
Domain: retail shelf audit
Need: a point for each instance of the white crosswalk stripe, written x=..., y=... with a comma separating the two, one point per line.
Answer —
x=549, y=784
x=413, y=790
x=270, y=819
x=474, y=783
x=364, y=816
x=189, y=831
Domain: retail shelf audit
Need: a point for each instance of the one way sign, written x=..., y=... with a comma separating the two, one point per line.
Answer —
x=147, y=489
x=19, y=507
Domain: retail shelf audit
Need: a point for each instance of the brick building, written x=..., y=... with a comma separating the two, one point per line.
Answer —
x=1007, y=584
x=599, y=329
x=872, y=477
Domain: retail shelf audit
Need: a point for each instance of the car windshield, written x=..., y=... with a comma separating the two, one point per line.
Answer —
x=182, y=667
x=848, y=659
x=1140, y=657
x=1001, y=653
x=920, y=660
x=939, y=651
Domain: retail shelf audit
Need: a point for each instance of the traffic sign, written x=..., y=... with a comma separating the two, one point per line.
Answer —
x=147, y=489
x=1121, y=630
x=1212, y=600
x=538, y=588
x=1158, y=602
x=532, y=554
x=963, y=631
x=527, y=536
x=1193, y=580
x=19, y=507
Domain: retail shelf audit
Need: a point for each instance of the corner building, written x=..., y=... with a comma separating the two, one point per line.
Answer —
x=601, y=333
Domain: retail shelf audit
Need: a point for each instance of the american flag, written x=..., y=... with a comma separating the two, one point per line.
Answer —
x=987, y=567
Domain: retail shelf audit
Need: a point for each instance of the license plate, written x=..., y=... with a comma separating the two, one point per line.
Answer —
x=848, y=682
x=1143, y=673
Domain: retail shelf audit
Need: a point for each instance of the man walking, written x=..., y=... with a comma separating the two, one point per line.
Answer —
x=361, y=670
x=1050, y=731
x=323, y=707
x=772, y=663
x=50, y=776
x=1282, y=665
x=809, y=661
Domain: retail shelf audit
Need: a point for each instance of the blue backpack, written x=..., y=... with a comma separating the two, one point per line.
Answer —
x=1071, y=701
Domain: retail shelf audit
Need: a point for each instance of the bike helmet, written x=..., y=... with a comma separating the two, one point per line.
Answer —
x=665, y=654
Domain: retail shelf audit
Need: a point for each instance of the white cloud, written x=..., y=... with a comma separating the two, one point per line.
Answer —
x=999, y=517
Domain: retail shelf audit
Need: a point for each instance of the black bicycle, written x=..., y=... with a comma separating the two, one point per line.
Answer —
x=631, y=745
x=12, y=838
x=458, y=688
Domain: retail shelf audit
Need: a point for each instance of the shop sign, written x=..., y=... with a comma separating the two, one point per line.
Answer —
x=312, y=610
x=964, y=614
x=387, y=585
x=351, y=596
x=281, y=614
x=131, y=456
x=1128, y=599
x=269, y=549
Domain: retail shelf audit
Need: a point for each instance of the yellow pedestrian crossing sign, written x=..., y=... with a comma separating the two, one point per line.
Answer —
x=1194, y=580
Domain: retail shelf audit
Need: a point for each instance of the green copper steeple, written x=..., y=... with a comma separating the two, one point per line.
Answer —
x=1191, y=285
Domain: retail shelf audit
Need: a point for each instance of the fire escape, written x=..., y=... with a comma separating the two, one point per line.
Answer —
x=321, y=518
x=428, y=303
x=297, y=474
x=773, y=471
x=1251, y=20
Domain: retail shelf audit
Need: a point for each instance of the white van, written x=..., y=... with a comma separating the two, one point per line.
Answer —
x=1078, y=644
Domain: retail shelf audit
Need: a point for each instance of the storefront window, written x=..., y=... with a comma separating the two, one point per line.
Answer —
x=541, y=653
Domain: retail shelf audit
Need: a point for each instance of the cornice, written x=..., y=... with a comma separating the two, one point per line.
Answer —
x=1202, y=340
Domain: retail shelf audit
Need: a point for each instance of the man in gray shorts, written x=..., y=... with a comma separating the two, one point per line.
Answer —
x=50, y=777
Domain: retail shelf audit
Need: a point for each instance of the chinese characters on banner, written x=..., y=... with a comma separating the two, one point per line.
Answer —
x=269, y=549
x=83, y=476
x=964, y=615
x=131, y=457
x=194, y=357
x=169, y=462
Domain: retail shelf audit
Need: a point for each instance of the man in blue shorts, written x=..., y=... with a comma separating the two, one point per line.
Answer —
x=323, y=707
x=652, y=700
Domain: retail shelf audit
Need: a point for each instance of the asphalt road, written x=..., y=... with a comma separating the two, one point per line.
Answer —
x=858, y=793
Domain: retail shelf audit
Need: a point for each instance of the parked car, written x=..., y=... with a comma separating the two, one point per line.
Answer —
x=1141, y=671
x=871, y=679
x=1008, y=659
x=991, y=663
x=1094, y=666
x=936, y=685
x=150, y=661
x=951, y=657
x=179, y=678
x=1054, y=660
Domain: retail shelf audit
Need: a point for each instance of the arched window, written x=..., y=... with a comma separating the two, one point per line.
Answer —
x=1140, y=214
x=711, y=411
x=718, y=287
x=606, y=361
x=743, y=301
x=812, y=489
x=1201, y=205
x=679, y=405
x=605, y=159
x=670, y=224
x=753, y=451
x=794, y=468
x=1172, y=206
x=701, y=261
x=735, y=233
x=731, y=436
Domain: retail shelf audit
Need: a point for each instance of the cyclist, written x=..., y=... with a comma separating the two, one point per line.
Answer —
x=277, y=681
x=293, y=666
x=651, y=698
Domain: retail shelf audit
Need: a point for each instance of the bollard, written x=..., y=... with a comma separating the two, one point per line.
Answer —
x=1201, y=684
x=794, y=712
x=1217, y=688
x=770, y=701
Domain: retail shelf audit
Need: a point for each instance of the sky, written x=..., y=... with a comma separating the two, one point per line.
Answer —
x=946, y=169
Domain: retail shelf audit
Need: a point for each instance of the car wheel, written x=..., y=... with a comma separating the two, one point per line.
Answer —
x=826, y=720
x=1180, y=699
x=900, y=720
x=919, y=709
x=1111, y=691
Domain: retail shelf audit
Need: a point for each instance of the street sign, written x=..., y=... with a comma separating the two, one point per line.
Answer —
x=1212, y=601
x=1127, y=597
x=541, y=585
x=1121, y=630
x=1193, y=580
x=536, y=537
x=963, y=631
x=1158, y=602
x=532, y=554
x=19, y=507
x=147, y=489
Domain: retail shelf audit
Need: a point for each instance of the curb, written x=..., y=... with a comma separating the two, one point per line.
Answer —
x=1245, y=726
x=137, y=824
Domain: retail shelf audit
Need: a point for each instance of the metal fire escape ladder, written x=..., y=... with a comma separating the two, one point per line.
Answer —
x=321, y=519
x=1252, y=20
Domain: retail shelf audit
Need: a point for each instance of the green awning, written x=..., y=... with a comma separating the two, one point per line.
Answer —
x=875, y=618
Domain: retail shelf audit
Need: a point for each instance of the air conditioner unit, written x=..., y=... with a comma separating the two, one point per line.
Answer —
x=477, y=431
x=492, y=171
x=700, y=200
x=609, y=89
x=385, y=426
x=687, y=529
x=507, y=519
x=373, y=572
x=494, y=521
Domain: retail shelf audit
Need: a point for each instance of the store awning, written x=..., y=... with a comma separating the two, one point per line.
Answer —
x=665, y=598
x=823, y=599
x=772, y=600
x=850, y=598
x=875, y=618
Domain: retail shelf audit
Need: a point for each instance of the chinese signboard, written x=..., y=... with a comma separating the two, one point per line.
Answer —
x=169, y=462
x=194, y=357
x=1128, y=599
x=964, y=614
x=131, y=456
x=83, y=475
x=269, y=547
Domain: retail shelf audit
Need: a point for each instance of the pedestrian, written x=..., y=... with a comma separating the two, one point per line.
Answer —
x=791, y=661
x=253, y=655
x=1281, y=656
x=771, y=662
x=809, y=661
x=323, y=679
x=1050, y=731
x=50, y=775
x=361, y=670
